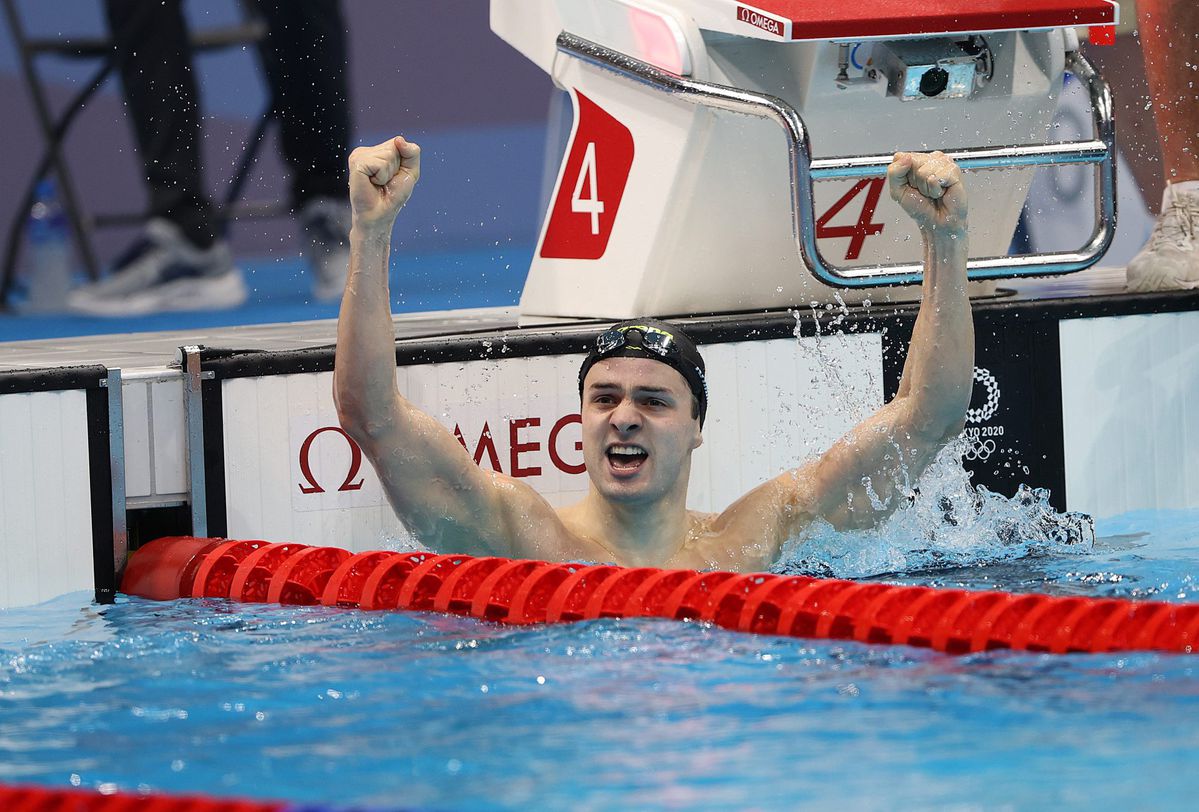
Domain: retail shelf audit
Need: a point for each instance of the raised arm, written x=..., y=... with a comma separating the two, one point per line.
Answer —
x=865, y=475
x=436, y=489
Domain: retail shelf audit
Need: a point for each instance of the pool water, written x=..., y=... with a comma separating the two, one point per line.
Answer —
x=419, y=710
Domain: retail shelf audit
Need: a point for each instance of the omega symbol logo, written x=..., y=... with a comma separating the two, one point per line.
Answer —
x=306, y=463
x=988, y=409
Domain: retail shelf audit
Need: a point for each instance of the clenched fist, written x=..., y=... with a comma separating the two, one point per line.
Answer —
x=928, y=186
x=381, y=181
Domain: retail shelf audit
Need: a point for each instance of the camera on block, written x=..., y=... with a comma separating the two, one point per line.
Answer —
x=934, y=68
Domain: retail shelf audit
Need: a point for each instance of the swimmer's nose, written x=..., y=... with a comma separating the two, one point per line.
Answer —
x=625, y=417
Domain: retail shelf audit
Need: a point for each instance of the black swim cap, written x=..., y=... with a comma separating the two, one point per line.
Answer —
x=658, y=341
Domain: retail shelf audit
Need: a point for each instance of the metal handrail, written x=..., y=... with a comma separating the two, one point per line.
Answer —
x=1101, y=151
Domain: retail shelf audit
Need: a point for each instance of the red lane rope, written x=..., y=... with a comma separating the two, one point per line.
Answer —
x=517, y=591
x=40, y=799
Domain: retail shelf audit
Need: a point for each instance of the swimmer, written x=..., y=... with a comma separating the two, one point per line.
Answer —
x=644, y=399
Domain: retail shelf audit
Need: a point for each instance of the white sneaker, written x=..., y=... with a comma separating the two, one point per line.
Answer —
x=326, y=224
x=163, y=271
x=1170, y=260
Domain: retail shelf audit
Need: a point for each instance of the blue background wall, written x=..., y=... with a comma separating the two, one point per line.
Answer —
x=430, y=70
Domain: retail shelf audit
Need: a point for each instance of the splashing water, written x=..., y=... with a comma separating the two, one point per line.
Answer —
x=948, y=523
x=830, y=342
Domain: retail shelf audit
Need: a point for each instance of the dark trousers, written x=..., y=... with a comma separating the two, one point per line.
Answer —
x=304, y=56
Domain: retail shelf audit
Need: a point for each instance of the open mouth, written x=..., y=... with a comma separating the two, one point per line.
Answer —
x=626, y=458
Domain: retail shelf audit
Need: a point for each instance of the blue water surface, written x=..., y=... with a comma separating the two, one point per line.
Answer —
x=394, y=710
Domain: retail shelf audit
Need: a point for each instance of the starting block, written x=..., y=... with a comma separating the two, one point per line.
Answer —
x=727, y=157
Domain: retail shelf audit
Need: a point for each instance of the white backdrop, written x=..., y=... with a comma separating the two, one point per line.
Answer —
x=45, y=497
x=1130, y=412
x=773, y=404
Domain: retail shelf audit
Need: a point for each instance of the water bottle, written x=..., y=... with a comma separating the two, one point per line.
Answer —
x=48, y=241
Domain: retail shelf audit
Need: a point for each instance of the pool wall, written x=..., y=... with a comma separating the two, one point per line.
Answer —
x=59, y=490
x=1090, y=396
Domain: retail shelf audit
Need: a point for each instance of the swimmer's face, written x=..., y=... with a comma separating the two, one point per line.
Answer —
x=639, y=429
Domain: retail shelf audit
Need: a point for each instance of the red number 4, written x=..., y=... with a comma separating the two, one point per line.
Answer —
x=863, y=228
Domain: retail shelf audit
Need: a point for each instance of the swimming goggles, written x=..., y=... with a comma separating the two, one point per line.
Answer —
x=651, y=339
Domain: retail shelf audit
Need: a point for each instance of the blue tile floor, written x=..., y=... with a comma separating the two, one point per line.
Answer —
x=280, y=291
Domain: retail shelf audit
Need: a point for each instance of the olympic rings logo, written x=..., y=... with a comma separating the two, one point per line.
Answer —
x=979, y=450
x=988, y=409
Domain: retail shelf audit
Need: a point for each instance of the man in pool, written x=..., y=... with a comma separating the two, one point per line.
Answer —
x=644, y=400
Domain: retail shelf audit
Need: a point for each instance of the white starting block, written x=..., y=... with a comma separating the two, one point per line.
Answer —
x=719, y=149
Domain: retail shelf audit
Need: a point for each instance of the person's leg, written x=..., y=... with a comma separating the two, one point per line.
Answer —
x=305, y=57
x=1169, y=32
x=179, y=263
x=160, y=89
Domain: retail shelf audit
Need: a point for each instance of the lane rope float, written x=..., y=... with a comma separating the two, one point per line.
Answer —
x=955, y=621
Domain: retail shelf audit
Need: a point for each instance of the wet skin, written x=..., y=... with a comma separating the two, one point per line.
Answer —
x=636, y=404
x=638, y=426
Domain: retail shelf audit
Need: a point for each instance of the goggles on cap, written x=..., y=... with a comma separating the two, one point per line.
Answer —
x=631, y=339
x=650, y=339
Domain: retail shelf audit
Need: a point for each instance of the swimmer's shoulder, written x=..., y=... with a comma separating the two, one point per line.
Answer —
x=734, y=542
x=707, y=547
x=575, y=542
x=700, y=523
x=571, y=517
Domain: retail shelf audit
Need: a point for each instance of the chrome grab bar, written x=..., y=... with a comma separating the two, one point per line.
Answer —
x=1101, y=151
